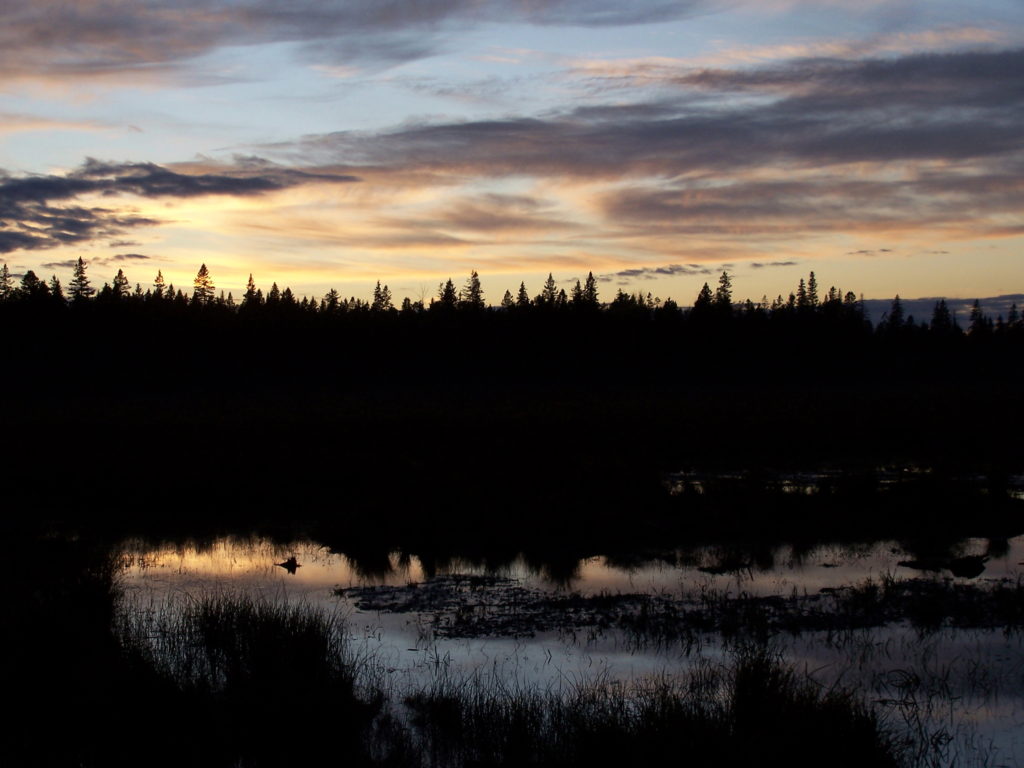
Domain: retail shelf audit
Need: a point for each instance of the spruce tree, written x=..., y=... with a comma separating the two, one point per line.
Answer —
x=204, y=291
x=507, y=302
x=381, y=299
x=723, y=294
x=704, y=301
x=942, y=320
x=249, y=299
x=447, y=297
x=159, y=286
x=812, y=290
x=6, y=284
x=522, y=297
x=79, y=289
x=56, y=291
x=590, y=296
x=549, y=294
x=471, y=297
x=577, y=295
x=120, y=287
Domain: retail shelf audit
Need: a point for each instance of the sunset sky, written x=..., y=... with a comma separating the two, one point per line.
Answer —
x=322, y=144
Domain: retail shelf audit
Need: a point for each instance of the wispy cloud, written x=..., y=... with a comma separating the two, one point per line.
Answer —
x=625, y=276
x=118, y=37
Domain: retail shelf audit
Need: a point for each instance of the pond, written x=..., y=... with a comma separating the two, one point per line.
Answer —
x=848, y=613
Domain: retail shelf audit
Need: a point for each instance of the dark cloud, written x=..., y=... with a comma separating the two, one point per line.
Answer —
x=100, y=260
x=74, y=39
x=625, y=276
x=763, y=264
x=66, y=264
x=953, y=107
x=38, y=211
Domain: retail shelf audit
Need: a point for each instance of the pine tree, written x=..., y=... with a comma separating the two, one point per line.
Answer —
x=723, y=294
x=942, y=320
x=6, y=284
x=79, y=289
x=812, y=290
x=704, y=301
x=549, y=294
x=32, y=288
x=507, y=302
x=978, y=324
x=522, y=297
x=204, y=290
x=381, y=299
x=471, y=296
x=249, y=298
x=329, y=303
x=577, y=295
x=590, y=296
x=159, y=286
x=56, y=292
x=802, y=301
x=120, y=286
x=447, y=297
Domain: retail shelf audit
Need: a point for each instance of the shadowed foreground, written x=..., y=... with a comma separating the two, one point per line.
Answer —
x=234, y=681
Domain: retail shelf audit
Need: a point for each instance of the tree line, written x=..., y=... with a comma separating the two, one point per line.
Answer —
x=711, y=309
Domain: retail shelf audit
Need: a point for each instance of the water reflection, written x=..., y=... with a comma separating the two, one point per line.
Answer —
x=976, y=674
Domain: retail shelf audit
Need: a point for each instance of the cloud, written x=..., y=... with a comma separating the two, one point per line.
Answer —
x=38, y=212
x=762, y=264
x=98, y=260
x=72, y=39
x=808, y=114
x=625, y=276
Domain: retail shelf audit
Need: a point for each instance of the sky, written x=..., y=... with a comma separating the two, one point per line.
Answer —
x=656, y=143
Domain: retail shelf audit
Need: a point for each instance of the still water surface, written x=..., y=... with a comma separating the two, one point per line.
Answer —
x=968, y=682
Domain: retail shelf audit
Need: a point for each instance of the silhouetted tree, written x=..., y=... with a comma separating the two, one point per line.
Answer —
x=33, y=289
x=590, y=296
x=204, y=291
x=251, y=298
x=802, y=302
x=120, y=287
x=942, y=319
x=79, y=289
x=330, y=303
x=704, y=302
x=274, y=297
x=6, y=284
x=522, y=298
x=159, y=287
x=723, y=294
x=507, y=302
x=549, y=293
x=978, y=325
x=472, y=295
x=447, y=297
x=576, y=299
x=56, y=292
x=812, y=290
x=381, y=299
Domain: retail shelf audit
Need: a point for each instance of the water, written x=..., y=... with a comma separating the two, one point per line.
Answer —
x=969, y=683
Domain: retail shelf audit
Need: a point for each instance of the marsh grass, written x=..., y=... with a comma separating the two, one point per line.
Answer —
x=258, y=681
x=753, y=710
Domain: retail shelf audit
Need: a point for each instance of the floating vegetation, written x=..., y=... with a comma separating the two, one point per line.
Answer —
x=488, y=606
